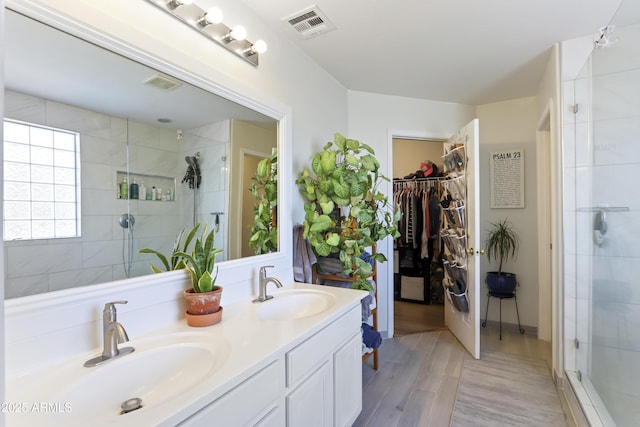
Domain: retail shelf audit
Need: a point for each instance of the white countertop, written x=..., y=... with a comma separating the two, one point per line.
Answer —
x=246, y=344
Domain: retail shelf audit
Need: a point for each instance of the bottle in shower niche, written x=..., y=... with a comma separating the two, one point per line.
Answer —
x=142, y=191
x=158, y=193
x=153, y=193
x=124, y=189
x=134, y=189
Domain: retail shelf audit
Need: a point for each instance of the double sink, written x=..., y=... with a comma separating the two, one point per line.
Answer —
x=162, y=368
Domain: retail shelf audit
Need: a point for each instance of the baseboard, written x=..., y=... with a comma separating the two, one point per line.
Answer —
x=512, y=327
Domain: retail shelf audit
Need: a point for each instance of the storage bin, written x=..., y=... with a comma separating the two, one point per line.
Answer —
x=412, y=288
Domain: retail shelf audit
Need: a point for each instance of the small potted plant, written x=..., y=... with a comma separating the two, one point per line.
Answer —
x=203, y=298
x=502, y=244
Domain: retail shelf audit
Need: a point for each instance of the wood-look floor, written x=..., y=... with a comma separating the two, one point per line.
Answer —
x=419, y=376
x=411, y=318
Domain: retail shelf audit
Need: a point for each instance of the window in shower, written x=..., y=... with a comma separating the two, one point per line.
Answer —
x=41, y=182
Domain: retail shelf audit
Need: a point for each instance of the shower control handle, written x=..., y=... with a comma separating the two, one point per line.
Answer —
x=126, y=221
x=600, y=222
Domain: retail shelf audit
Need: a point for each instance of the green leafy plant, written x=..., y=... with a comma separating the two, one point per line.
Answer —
x=200, y=262
x=264, y=231
x=344, y=211
x=502, y=243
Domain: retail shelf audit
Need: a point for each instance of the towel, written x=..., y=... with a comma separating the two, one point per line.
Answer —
x=370, y=337
x=303, y=256
x=368, y=302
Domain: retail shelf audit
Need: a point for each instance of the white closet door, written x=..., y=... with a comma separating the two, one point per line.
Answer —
x=462, y=312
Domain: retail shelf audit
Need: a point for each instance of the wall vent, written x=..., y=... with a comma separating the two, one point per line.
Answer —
x=162, y=82
x=309, y=22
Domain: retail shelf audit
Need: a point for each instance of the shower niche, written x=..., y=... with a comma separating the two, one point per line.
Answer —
x=156, y=188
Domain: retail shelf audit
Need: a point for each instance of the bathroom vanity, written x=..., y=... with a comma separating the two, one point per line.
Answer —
x=294, y=360
x=317, y=382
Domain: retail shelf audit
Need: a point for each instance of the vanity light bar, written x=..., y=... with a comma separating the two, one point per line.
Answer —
x=209, y=23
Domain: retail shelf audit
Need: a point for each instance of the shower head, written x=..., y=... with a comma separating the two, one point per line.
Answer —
x=193, y=162
x=193, y=171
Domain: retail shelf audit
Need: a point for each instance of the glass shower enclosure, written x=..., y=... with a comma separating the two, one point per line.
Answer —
x=604, y=258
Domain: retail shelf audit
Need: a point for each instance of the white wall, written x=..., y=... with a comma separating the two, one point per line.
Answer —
x=374, y=119
x=504, y=126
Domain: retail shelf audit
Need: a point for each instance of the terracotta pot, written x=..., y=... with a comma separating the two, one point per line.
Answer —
x=199, y=320
x=203, y=303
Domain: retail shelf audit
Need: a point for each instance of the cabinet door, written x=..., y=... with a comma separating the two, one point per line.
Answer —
x=347, y=382
x=311, y=403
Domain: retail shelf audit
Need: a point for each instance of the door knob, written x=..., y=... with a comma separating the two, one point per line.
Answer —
x=472, y=251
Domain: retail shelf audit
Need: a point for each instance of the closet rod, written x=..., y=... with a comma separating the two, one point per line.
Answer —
x=436, y=178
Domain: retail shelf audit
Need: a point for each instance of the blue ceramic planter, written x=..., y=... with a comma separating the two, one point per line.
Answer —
x=504, y=283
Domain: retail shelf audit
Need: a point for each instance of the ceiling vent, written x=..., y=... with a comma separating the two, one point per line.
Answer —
x=309, y=22
x=162, y=82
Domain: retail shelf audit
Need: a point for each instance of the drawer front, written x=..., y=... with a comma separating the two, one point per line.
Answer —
x=244, y=403
x=305, y=357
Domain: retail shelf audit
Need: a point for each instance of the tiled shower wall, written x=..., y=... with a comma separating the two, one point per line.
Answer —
x=51, y=264
x=212, y=198
x=615, y=266
x=604, y=166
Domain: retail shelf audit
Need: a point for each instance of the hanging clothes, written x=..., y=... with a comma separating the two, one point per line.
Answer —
x=418, y=201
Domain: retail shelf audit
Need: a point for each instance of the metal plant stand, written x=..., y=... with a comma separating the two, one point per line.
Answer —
x=502, y=296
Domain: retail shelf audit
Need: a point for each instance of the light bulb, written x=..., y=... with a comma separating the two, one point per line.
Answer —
x=260, y=46
x=214, y=15
x=239, y=33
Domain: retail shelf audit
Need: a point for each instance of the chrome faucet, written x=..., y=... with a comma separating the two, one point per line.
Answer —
x=262, y=285
x=113, y=333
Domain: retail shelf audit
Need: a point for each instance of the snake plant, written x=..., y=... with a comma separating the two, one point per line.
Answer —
x=199, y=263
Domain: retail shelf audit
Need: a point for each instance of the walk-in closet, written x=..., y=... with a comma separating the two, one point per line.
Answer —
x=418, y=269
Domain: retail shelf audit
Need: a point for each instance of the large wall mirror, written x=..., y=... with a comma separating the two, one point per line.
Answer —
x=186, y=149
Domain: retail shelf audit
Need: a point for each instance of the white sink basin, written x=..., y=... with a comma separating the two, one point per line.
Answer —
x=295, y=304
x=159, y=369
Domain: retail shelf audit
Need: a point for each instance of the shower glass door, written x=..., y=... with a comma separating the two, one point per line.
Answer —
x=608, y=223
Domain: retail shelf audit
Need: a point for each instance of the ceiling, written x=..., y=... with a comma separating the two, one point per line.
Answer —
x=464, y=51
